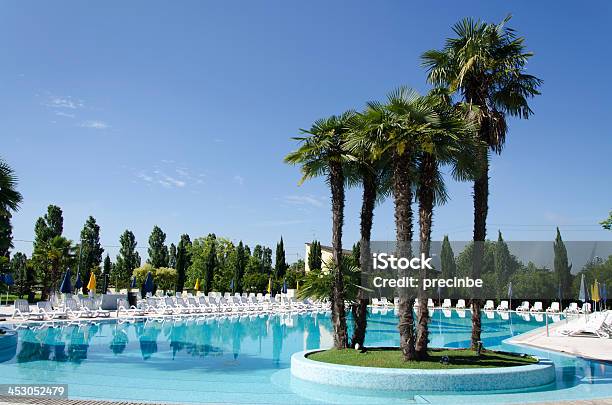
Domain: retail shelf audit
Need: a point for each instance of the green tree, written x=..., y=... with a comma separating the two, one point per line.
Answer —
x=108, y=265
x=203, y=252
x=562, y=267
x=322, y=153
x=165, y=278
x=19, y=269
x=607, y=223
x=447, y=259
x=314, y=255
x=158, y=251
x=504, y=265
x=239, y=267
x=280, y=264
x=127, y=260
x=57, y=254
x=183, y=261
x=485, y=63
x=172, y=256
x=90, y=250
x=10, y=199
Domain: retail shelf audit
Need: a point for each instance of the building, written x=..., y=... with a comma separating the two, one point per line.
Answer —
x=326, y=256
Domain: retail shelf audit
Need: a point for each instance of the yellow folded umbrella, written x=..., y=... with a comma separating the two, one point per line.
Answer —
x=270, y=286
x=91, y=285
x=297, y=286
x=595, y=291
x=197, y=284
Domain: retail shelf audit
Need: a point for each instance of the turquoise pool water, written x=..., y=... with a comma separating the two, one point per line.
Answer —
x=246, y=360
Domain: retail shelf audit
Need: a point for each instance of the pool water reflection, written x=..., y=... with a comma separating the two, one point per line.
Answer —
x=246, y=359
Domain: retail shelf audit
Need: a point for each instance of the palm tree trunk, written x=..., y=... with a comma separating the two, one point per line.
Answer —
x=426, y=199
x=481, y=208
x=360, y=309
x=402, y=193
x=336, y=181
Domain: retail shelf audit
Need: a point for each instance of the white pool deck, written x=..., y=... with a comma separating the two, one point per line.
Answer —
x=592, y=348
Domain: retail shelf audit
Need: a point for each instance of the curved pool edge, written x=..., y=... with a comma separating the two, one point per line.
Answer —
x=393, y=379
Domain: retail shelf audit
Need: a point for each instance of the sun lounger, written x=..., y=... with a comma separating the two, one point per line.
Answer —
x=124, y=306
x=21, y=310
x=45, y=308
x=430, y=303
x=489, y=305
x=572, y=309
x=524, y=307
x=446, y=304
x=91, y=305
x=460, y=304
x=554, y=308
x=503, y=306
x=598, y=325
x=384, y=302
x=537, y=307
x=416, y=303
x=586, y=308
x=75, y=310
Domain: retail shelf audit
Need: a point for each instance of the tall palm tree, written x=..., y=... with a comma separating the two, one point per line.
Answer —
x=10, y=199
x=450, y=141
x=322, y=153
x=485, y=63
x=372, y=172
x=393, y=130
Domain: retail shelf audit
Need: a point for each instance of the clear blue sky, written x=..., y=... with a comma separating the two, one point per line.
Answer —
x=179, y=114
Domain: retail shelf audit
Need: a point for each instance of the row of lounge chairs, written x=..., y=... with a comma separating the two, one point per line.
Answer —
x=85, y=307
x=71, y=308
x=525, y=306
x=597, y=325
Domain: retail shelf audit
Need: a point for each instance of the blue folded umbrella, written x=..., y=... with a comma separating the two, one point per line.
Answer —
x=284, y=287
x=148, y=284
x=66, y=287
x=78, y=284
x=232, y=285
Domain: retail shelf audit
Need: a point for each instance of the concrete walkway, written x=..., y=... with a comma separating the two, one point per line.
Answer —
x=588, y=347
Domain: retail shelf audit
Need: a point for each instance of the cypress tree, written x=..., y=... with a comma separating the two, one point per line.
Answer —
x=108, y=265
x=240, y=265
x=447, y=259
x=266, y=261
x=172, y=256
x=211, y=264
x=90, y=250
x=502, y=263
x=158, y=251
x=280, y=265
x=127, y=260
x=561, y=265
x=314, y=255
x=183, y=261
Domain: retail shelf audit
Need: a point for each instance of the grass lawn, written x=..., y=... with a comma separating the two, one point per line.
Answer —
x=392, y=358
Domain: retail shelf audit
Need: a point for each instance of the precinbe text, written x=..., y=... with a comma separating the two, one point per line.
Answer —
x=428, y=283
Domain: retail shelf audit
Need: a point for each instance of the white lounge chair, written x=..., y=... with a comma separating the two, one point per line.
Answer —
x=554, y=308
x=586, y=308
x=537, y=307
x=598, y=325
x=503, y=306
x=489, y=305
x=45, y=308
x=524, y=307
x=446, y=304
x=572, y=309
x=91, y=306
x=124, y=306
x=416, y=303
x=430, y=303
x=375, y=302
x=384, y=302
x=77, y=311
x=460, y=304
x=21, y=310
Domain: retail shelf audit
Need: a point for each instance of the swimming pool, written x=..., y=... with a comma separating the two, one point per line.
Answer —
x=246, y=359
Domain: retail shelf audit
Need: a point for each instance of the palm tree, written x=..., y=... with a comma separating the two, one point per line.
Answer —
x=373, y=174
x=450, y=141
x=485, y=63
x=393, y=130
x=322, y=153
x=57, y=255
x=10, y=199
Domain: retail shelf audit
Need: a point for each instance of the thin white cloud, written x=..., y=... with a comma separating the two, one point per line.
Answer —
x=169, y=181
x=303, y=200
x=64, y=102
x=64, y=114
x=158, y=177
x=239, y=179
x=94, y=124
